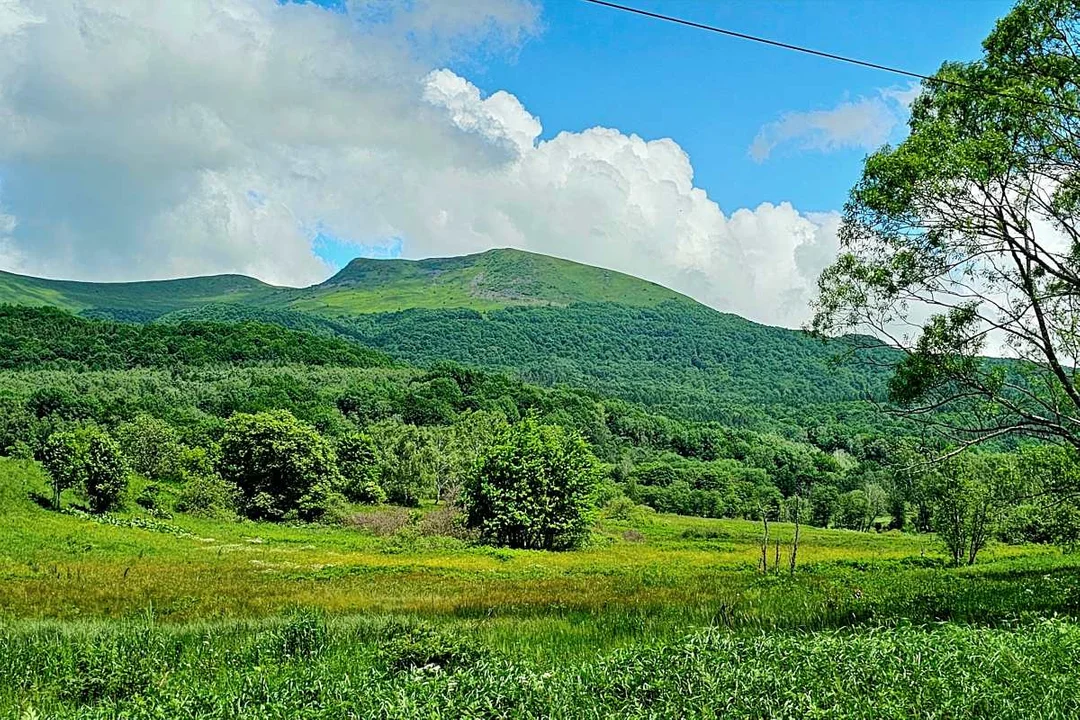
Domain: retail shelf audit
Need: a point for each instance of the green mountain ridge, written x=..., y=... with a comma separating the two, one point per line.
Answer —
x=149, y=298
x=551, y=321
x=484, y=281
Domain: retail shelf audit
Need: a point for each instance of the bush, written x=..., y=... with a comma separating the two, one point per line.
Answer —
x=383, y=521
x=208, y=496
x=283, y=467
x=534, y=489
x=412, y=646
x=150, y=500
x=620, y=508
x=444, y=521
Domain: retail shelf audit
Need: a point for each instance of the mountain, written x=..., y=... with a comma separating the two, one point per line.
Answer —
x=552, y=321
x=485, y=281
x=132, y=300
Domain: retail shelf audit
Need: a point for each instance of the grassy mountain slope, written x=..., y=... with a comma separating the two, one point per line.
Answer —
x=486, y=281
x=139, y=300
x=552, y=320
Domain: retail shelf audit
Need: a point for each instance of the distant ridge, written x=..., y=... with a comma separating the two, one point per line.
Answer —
x=483, y=281
x=551, y=321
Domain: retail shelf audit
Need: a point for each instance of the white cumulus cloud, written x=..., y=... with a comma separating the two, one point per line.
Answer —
x=866, y=123
x=195, y=136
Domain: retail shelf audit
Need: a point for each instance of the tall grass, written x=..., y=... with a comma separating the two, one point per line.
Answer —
x=306, y=667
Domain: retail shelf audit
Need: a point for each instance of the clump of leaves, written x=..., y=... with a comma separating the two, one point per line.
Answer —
x=413, y=646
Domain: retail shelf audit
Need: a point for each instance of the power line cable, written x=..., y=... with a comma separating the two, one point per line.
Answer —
x=826, y=55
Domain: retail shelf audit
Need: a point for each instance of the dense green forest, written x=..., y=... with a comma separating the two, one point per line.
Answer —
x=550, y=321
x=423, y=428
x=63, y=370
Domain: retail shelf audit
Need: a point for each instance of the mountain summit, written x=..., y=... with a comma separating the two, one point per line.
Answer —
x=483, y=281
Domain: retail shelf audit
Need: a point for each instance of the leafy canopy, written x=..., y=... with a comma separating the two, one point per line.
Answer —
x=283, y=467
x=964, y=239
x=534, y=488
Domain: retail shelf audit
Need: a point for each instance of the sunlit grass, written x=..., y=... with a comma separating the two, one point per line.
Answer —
x=675, y=574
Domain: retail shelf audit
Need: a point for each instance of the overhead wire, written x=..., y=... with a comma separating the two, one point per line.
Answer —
x=827, y=55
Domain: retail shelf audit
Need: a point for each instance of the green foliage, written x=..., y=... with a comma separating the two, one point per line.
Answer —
x=90, y=459
x=152, y=446
x=236, y=669
x=62, y=456
x=965, y=217
x=357, y=458
x=824, y=504
x=282, y=467
x=45, y=337
x=302, y=636
x=853, y=511
x=406, y=462
x=534, y=489
x=557, y=324
x=106, y=472
x=414, y=646
x=208, y=495
x=967, y=497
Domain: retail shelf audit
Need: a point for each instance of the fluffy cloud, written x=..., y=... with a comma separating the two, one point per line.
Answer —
x=162, y=139
x=866, y=123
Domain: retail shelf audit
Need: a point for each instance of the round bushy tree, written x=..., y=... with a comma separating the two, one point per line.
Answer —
x=106, y=471
x=61, y=457
x=152, y=446
x=90, y=458
x=283, y=468
x=533, y=489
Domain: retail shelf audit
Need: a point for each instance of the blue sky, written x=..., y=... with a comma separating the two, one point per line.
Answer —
x=281, y=139
x=594, y=66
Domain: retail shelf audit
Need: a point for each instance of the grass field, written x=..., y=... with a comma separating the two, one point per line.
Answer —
x=667, y=606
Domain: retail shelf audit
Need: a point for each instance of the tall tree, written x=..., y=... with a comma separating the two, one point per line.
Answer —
x=963, y=239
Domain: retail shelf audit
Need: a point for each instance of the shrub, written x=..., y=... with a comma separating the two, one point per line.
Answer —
x=207, y=496
x=620, y=508
x=412, y=646
x=110, y=668
x=283, y=467
x=382, y=522
x=444, y=521
x=534, y=489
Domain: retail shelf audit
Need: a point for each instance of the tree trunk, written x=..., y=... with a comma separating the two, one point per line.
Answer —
x=795, y=542
x=765, y=544
x=776, y=557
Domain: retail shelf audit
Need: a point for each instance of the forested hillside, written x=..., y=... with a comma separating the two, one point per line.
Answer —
x=60, y=372
x=548, y=320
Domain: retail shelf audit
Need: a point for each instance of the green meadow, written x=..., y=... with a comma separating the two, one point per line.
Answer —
x=126, y=615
